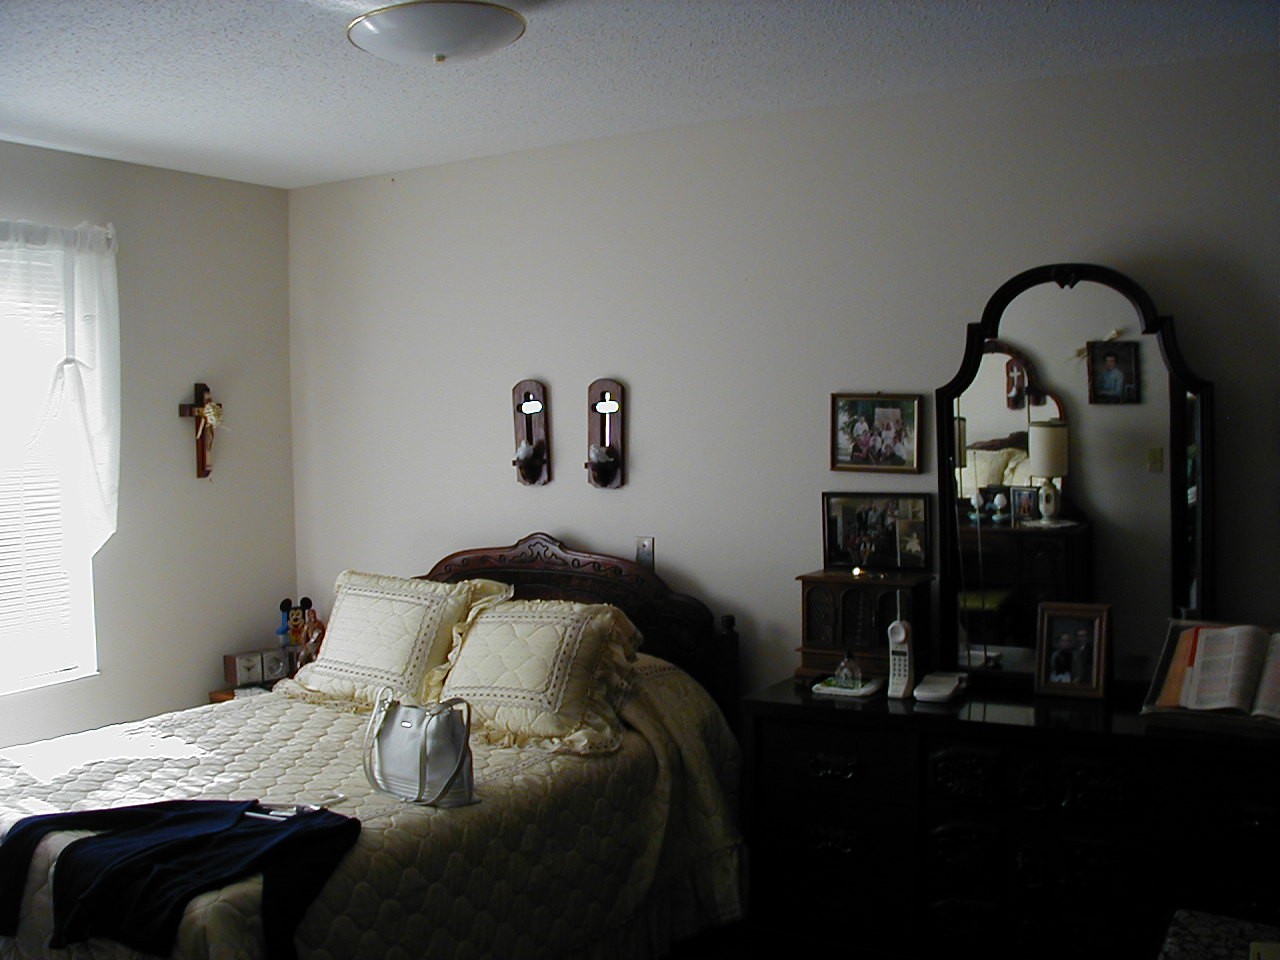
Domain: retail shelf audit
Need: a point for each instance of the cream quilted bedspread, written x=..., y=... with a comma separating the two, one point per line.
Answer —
x=563, y=856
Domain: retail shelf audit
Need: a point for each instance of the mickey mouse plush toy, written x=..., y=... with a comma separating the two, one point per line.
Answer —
x=293, y=620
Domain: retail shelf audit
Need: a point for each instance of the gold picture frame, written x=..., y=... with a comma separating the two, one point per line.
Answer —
x=1073, y=649
x=876, y=432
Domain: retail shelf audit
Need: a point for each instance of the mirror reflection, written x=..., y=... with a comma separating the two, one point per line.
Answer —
x=1081, y=348
x=1017, y=547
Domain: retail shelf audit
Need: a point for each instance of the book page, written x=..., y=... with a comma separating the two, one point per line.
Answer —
x=1267, y=701
x=1224, y=668
x=1171, y=691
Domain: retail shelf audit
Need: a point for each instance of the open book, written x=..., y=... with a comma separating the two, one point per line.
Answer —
x=1208, y=667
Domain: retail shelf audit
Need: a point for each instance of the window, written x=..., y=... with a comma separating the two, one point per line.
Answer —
x=59, y=445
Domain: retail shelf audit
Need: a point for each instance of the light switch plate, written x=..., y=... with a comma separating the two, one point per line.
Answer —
x=644, y=552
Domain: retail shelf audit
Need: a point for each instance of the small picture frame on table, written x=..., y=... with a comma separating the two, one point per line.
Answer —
x=1024, y=504
x=875, y=531
x=1072, y=649
x=875, y=432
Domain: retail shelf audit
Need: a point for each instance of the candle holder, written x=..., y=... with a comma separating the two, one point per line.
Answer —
x=533, y=446
x=606, y=451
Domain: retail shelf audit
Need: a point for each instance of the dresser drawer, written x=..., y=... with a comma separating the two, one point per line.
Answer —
x=1097, y=788
x=816, y=866
x=1043, y=559
x=828, y=763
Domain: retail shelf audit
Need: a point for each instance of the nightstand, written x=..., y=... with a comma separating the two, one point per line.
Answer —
x=255, y=668
x=229, y=693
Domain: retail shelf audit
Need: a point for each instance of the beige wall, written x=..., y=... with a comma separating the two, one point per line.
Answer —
x=197, y=568
x=734, y=276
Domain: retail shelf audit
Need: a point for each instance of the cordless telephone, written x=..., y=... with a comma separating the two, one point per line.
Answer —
x=901, y=674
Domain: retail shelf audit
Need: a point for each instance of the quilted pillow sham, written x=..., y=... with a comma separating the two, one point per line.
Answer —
x=545, y=672
x=392, y=631
x=989, y=467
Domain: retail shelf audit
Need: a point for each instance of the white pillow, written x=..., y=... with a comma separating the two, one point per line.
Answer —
x=391, y=631
x=1017, y=472
x=986, y=468
x=988, y=465
x=545, y=672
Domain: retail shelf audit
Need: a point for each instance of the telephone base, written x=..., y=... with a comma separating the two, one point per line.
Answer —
x=940, y=687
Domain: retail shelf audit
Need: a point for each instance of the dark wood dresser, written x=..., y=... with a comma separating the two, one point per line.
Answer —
x=1011, y=829
x=1008, y=571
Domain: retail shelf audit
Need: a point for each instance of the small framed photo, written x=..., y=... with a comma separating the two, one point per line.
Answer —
x=1113, y=371
x=1072, y=654
x=1024, y=504
x=875, y=432
x=875, y=531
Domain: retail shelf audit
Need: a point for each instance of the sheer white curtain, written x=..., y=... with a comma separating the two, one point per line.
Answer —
x=59, y=444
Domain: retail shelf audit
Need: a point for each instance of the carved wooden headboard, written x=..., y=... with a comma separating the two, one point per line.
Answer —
x=675, y=626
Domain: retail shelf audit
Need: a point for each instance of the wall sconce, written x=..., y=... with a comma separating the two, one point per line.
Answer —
x=606, y=452
x=533, y=448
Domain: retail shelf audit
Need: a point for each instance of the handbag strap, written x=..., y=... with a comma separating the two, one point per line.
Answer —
x=437, y=710
x=380, y=708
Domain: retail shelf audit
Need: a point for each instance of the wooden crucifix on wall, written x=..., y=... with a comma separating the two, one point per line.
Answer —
x=208, y=415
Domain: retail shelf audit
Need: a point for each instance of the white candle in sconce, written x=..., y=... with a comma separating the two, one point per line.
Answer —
x=529, y=406
x=607, y=407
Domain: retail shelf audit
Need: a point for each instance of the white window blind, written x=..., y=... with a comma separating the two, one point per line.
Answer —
x=59, y=443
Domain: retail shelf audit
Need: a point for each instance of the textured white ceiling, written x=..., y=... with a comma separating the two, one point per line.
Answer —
x=271, y=91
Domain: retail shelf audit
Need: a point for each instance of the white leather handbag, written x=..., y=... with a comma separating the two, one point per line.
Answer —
x=421, y=753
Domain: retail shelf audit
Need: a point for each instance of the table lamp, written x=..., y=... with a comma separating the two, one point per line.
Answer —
x=1047, y=450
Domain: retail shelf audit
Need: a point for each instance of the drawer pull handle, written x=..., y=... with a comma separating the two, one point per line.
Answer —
x=841, y=848
x=824, y=768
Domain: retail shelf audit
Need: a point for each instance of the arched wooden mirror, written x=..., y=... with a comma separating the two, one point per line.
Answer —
x=1135, y=524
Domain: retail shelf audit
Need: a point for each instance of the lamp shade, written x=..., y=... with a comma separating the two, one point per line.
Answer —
x=436, y=31
x=1047, y=448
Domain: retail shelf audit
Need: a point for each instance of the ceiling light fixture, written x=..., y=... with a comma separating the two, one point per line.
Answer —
x=436, y=31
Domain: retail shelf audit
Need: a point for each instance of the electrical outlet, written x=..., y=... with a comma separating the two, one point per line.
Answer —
x=644, y=551
x=1155, y=460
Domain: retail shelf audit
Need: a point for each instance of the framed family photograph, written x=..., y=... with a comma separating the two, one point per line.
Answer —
x=875, y=531
x=875, y=432
x=1072, y=653
x=1024, y=504
x=1113, y=371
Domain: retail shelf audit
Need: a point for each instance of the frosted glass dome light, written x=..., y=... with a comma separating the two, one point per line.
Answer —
x=436, y=31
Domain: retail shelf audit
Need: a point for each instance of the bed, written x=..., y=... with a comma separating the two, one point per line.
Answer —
x=999, y=462
x=607, y=830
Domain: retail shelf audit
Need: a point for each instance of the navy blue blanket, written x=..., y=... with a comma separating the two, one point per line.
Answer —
x=132, y=881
